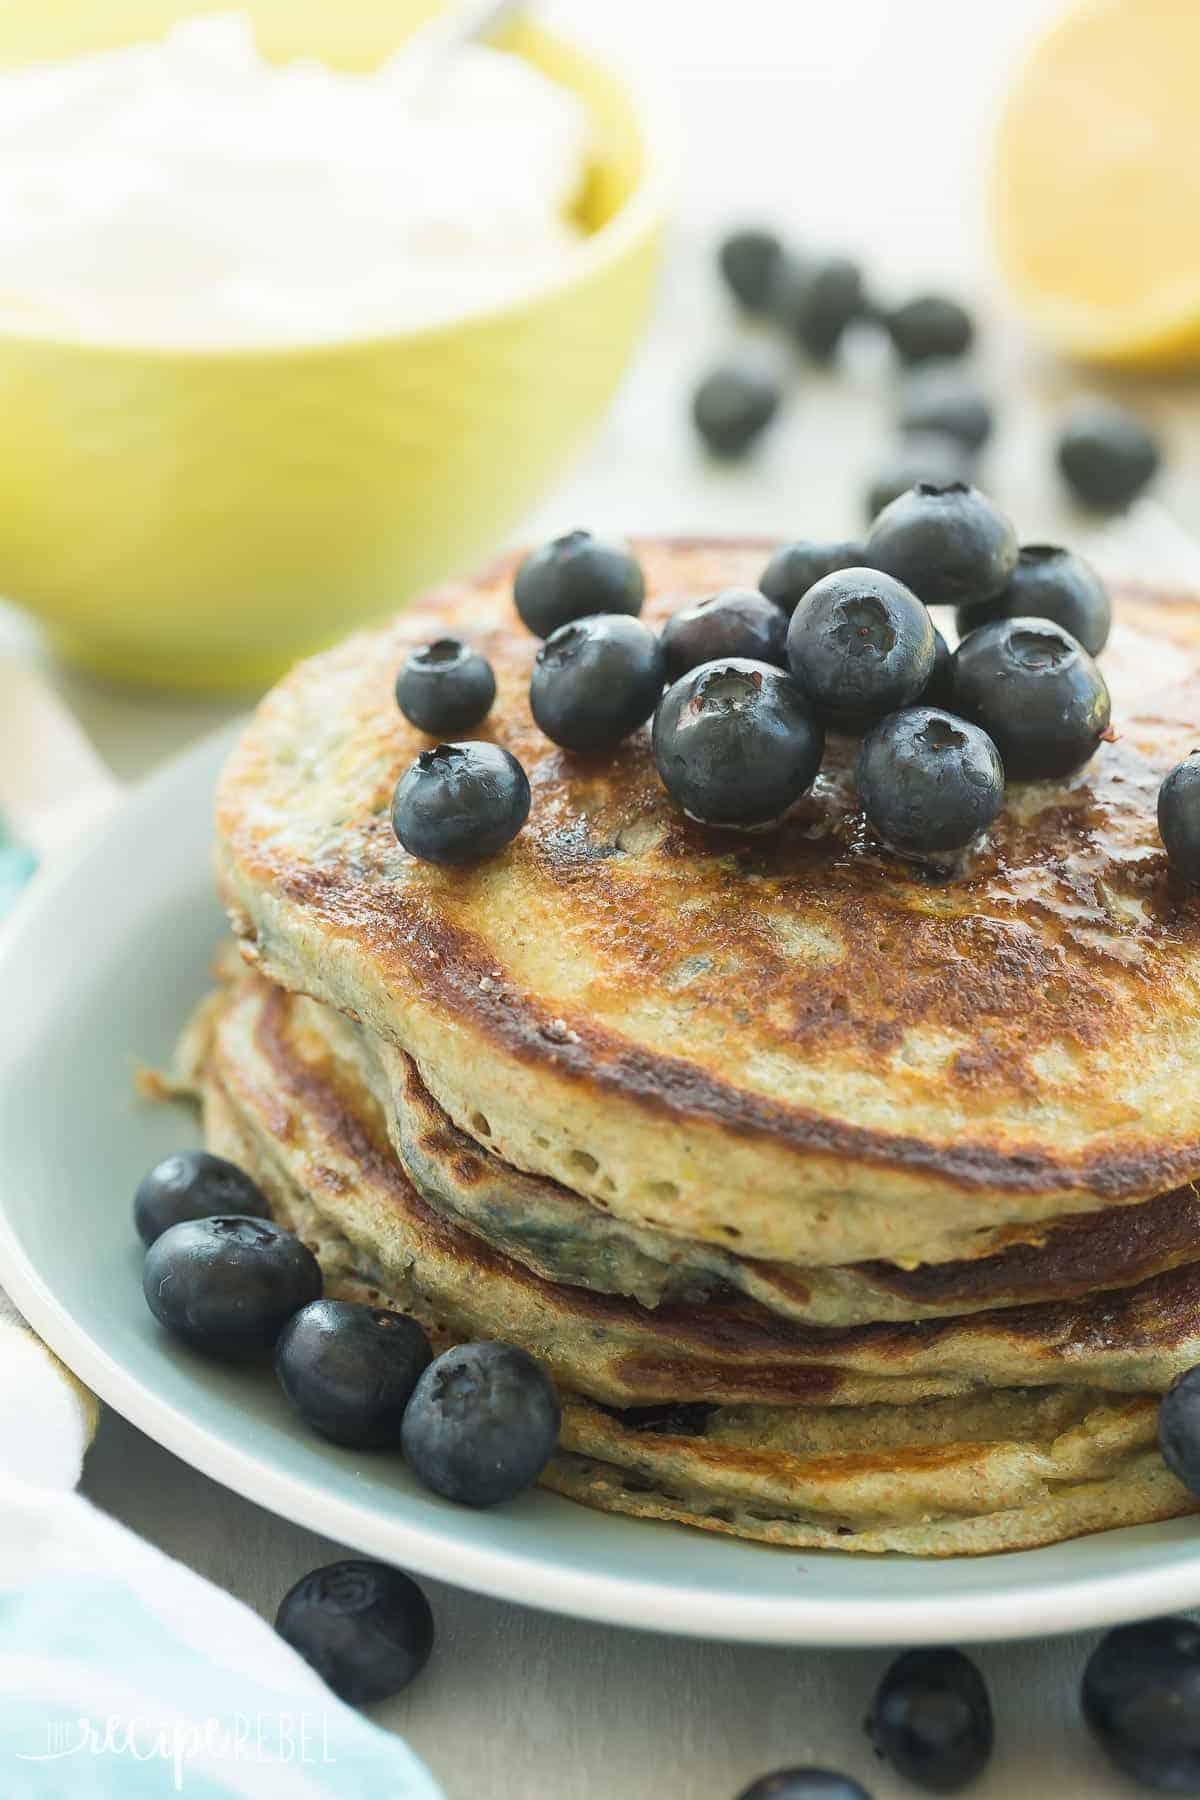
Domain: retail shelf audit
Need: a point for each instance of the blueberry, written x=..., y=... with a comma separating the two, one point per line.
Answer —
x=918, y=456
x=1050, y=583
x=1036, y=692
x=228, y=1285
x=364, y=1627
x=1107, y=455
x=460, y=803
x=193, y=1184
x=930, y=326
x=735, y=622
x=928, y=782
x=947, y=542
x=445, y=687
x=748, y=260
x=1141, y=1697
x=939, y=689
x=944, y=400
x=794, y=568
x=859, y=646
x=1179, y=1429
x=931, y=1719
x=736, y=742
x=815, y=303
x=804, y=1784
x=596, y=680
x=733, y=405
x=573, y=577
x=350, y=1370
x=482, y=1424
x=1179, y=817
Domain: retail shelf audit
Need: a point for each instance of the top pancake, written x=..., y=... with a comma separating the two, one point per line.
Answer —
x=789, y=1043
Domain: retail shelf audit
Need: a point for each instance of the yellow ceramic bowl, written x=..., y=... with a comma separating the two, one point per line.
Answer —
x=198, y=518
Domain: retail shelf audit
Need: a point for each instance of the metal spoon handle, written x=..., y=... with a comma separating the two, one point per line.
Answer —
x=431, y=47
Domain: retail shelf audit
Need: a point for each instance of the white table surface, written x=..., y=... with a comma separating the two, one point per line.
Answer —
x=856, y=125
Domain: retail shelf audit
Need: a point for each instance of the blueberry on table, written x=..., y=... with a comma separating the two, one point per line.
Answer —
x=445, y=688
x=947, y=542
x=947, y=401
x=1107, y=455
x=364, y=1627
x=482, y=1424
x=1179, y=817
x=228, y=1285
x=573, y=577
x=804, y=1784
x=748, y=260
x=794, y=568
x=736, y=742
x=733, y=405
x=1049, y=583
x=815, y=303
x=930, y=326
x=929, y=782
x=931, y=1719
x=859, y=645
x=735, y=622
x=350, y=1370
x=193, y=1184
x=596, y=680
x=460, y=803
x=1141, y=1698
x=1036, y=692
x=1179, y=1429
x=917, y=456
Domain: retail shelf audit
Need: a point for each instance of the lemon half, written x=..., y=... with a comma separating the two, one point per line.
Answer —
x=1096, y=189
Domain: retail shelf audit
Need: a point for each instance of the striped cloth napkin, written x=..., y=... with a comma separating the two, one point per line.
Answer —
x=122, y=1673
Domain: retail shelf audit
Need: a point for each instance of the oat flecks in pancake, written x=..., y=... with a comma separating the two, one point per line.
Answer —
x=788, y=1045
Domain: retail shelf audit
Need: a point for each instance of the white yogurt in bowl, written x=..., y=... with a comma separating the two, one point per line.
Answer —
x=188, y=192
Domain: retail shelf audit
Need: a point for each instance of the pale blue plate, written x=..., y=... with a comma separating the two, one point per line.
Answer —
x=99, y=965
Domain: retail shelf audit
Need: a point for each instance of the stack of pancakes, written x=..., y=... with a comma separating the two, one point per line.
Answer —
x=845, y=1207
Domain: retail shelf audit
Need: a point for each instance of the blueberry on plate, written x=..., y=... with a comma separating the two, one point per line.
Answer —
x=1107, y=455
x=460, y=803
x=931, y=1719
x=445, y=688
x=573, y=577
x=930, y=326
x=947, y=542
x=916, y=456
x=794, y=568
x=1179, y=1429
x=349, y=1370
x=748, y=260
x=1141, y=1698
x=928, y=782
x=596, y=680
x=939, y=689
x=482, y=1424
x=364, y=1627
x=1050, y=583
x=733, y=405
x=815, y=303
x=804, y=1784
x=1179, y=817
x=228, y=1285
x=1036, y=692
x=860, y=645
x=735, y=622
x=736, y=742
x=193, y=1184
x=945, y=400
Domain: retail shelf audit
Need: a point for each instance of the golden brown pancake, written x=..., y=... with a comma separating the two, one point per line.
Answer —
x=789, y=1045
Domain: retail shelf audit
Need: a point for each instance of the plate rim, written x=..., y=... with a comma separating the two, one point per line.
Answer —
x=1035, y=1609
